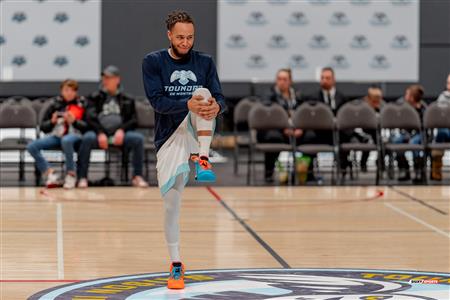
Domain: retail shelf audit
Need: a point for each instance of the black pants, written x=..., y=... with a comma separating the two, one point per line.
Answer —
x=276, y=136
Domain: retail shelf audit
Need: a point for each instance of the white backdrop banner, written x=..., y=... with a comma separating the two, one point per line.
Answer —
x=50, y=40
x=363, y=40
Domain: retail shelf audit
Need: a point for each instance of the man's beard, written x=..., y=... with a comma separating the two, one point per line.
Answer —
x=178, y=54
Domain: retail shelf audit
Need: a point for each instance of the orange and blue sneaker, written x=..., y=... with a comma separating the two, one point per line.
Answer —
x=176, y=278
x=203, y=169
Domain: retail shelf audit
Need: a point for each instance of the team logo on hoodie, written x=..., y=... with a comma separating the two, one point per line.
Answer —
x=183, y=76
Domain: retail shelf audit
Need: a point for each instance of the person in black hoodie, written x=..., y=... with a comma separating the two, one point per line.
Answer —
x=63, y=122
x=111, y=116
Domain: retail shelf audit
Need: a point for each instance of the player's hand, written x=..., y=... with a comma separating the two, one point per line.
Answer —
x=196, y=103
x=211, y=111
x=102, y=140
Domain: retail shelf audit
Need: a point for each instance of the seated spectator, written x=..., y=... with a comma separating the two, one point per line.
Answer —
x=413, y=96
x=284, y=94
x=375, y=99
x=328, y=92
x=111, y=116
x=443, y=136
x=63, y=121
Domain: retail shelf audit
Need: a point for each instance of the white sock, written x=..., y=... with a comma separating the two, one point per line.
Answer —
x=204, y=145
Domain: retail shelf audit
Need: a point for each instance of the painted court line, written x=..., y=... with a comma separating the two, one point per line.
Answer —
x=414, y=218
x=266, y=246
x=59, y=241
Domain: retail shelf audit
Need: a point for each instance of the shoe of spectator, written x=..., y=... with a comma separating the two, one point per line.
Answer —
x=138, y=181
x=52, y=180
x=436, y=165
x=82, y=183
x=69, y=181
x=364, y=168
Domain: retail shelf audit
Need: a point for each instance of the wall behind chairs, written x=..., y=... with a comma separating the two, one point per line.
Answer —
x=132, y=28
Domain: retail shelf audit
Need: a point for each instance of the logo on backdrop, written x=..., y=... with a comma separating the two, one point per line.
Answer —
x=82, y=41
x=325, y=284
x=339, y=62
x=61, y=17
x=256, y=61
x=297, y=18
x=237, y=2
x=400, y=42
x=19, y=17
x=360, y=2
x=319, y=41
x=360, y=41
x=319, y=2
x=379, y=62
x=236, y=41
x=401, y=2
x=278, y=41
x=298, y=61
x=278, y=2
x=61, y=61
x=2, y=40
x=40, y=41
x=19, y=60
x=339, y=18
x=380, y=19
x=256, y=18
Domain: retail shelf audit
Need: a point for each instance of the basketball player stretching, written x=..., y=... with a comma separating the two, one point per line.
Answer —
x=184, y=90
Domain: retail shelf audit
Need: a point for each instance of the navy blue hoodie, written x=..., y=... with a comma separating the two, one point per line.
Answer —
x=169, y=84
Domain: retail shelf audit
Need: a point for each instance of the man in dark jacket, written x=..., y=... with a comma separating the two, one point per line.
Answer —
x=111, y=116
x=328, y=92
x=63, y=122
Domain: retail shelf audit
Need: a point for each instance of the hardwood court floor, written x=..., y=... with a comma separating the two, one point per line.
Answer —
x=101, y=232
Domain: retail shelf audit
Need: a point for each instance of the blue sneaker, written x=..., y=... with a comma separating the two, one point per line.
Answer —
x=203, y=169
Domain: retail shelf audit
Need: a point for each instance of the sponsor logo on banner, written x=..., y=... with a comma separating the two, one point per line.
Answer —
x=319, y=41
x=297, y=18
x=19, y=60
x=360, y=41
x=262, y=284
x=400, y=42
x=61, y=61
x=298, y=61
x=236, y=41
x=360, y=2
x=256, y=18
x=256, y=61
x=339, y=18
x=380, y=19
x=40, y=41
x=379, y=62
x=278, y=41
x=339, y=61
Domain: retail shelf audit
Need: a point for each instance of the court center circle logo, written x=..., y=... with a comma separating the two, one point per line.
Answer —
x=279, y=284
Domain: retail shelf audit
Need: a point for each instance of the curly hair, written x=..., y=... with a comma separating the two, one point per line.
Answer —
x=178, y=16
